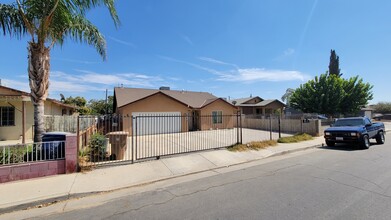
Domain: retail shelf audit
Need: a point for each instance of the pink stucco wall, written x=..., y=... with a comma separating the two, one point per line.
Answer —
x=43, y=168
x=31, y=170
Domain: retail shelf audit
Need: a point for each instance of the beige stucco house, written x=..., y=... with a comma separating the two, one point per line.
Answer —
x=17, y=114
x=258, y=106
x=188, y=111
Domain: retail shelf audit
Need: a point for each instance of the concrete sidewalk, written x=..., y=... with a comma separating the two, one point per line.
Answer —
x=27, y=193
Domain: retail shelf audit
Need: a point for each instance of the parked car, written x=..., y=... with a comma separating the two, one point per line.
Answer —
x=357, y=130
x=378, y=116
x=323, y=117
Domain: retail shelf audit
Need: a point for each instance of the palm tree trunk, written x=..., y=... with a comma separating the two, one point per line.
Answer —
x=38, y=70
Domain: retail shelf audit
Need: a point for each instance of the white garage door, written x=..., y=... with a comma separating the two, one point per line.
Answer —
x=156, y=122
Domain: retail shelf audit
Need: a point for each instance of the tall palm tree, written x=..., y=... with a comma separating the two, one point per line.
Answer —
x=50, y=22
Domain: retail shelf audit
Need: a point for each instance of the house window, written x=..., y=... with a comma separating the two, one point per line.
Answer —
x=64, y=111
x=7, y=116
x=217, y=117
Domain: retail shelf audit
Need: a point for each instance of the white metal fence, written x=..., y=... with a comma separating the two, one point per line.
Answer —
x=25, y=153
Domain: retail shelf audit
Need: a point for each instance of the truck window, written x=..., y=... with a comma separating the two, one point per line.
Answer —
x=349, y=122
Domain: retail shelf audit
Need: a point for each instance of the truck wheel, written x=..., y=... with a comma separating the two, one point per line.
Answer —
x=330, y=143
x=365, y=144
x=380, y=139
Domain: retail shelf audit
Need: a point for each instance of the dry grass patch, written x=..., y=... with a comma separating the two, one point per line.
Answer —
x=295, y=138
x=255, y=145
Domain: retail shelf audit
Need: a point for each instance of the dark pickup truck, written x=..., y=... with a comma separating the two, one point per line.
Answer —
x=356, y=130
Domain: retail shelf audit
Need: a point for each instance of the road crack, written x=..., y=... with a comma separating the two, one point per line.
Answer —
x=175, y=196
x=351, y=186
x=345, y=173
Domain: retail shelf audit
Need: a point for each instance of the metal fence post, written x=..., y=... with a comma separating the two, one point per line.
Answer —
x=241, y=129
x=132, y=134
x=77, y=143
x=237, y=128
x=135, y=129
x=271, y=130
x=279, y=126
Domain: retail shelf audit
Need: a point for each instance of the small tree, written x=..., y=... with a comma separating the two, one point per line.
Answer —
x=332, y=95
x=97, y=147
x=100, y=106
x=334, y=64
x=321, y=95
x=80, y=103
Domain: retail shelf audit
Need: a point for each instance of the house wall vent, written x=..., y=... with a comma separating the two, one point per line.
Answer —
x=164, y=88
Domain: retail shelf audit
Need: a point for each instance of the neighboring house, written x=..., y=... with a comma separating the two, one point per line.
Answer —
x=188, y=111
x=17, y=113
x=367, y=111
x=258, y=106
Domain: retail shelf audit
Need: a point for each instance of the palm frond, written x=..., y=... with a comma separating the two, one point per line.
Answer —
x=81, y=6
x=11, y=22
x=82, y=30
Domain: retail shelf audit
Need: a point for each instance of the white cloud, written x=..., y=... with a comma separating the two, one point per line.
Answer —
x=209, y=70
x=126, y=43
x=289, y=52
x=116, y=79
x=88, y=81
x=72, y=87
x=74, y=61
x=212, y=60
x=286, y=53
x=260, y=74
x=187, y=39
x=245, y=75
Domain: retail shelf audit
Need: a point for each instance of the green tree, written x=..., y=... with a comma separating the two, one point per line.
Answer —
x=77, y=101
x=321, y=95
x=80, y=103
x=383, y=107
x=100, y=106
x=334, y=64
x=50, y=22
x=332, y=95
x=357, y=95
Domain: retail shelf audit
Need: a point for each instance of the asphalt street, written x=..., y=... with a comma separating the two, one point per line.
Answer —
x=326, y=183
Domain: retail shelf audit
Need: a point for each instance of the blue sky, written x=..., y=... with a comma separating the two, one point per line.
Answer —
x=226, y=47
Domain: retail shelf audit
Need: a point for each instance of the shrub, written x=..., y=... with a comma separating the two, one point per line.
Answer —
x=295, y=138
x=97, y=147
x=255, y=145
x=15, y=154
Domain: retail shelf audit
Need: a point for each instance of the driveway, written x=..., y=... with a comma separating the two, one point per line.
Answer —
x=148, y=146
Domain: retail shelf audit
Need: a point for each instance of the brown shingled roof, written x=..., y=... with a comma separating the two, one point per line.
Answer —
x=126, y=96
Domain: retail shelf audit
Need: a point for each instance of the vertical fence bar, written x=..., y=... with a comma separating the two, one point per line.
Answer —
x=132, y=133
x=271, y=130
x=241, y=129
x=135, y=128
x=279, y=126
x=237, y=128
